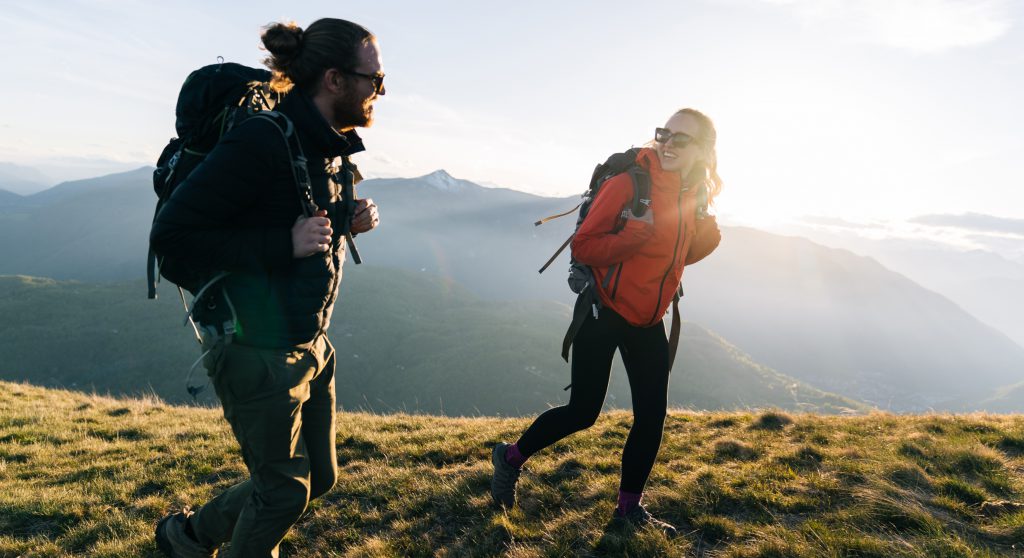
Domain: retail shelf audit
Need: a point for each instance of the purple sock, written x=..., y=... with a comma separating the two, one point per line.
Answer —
x=627, y=501
x=513, y=457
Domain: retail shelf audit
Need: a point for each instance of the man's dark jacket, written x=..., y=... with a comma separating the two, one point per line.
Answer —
x=235, y=213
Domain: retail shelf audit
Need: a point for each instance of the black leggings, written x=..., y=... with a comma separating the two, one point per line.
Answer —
x=645, y=353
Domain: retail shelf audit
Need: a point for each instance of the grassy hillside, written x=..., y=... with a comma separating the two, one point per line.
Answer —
x=89, y=476
x=405, y=341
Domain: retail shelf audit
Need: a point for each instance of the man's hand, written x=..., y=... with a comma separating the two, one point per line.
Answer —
x=311, y=235
x=366, y=216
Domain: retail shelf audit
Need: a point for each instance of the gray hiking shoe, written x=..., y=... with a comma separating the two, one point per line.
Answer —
x=503, y=483
x=639, y=518
x=172, y=540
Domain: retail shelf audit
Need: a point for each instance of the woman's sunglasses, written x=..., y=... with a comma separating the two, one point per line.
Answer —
x=678, y=139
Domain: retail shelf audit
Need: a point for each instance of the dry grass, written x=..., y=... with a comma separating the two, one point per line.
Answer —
x=89, y=476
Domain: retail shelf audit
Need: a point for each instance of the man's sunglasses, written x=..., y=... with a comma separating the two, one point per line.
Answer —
x=678, y=139
x=376, y=79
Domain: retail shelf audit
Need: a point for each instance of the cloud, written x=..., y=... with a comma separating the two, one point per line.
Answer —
x=920, y=26
x=835, y=222
x=974, y=222
x=1009, y=247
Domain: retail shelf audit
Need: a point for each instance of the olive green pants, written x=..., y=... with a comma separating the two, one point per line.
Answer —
x=280, y=404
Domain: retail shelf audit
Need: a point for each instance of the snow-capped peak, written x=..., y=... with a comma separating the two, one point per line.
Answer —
x=443, y=181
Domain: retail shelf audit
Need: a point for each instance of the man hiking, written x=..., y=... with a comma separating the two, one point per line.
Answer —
x=240, y=216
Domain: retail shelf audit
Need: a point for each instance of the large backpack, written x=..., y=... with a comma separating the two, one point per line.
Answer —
x=213, y=100
x=581, y=277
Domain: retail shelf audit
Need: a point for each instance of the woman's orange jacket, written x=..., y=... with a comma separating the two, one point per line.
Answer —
x=638, y=268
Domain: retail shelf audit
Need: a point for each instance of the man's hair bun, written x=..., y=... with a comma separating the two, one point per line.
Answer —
x=284, y=42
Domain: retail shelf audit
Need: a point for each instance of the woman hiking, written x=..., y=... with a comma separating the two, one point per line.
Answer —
x=645, y=256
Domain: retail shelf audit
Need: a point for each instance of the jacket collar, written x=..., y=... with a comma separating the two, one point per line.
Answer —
x=660, y=178
x=321, y=139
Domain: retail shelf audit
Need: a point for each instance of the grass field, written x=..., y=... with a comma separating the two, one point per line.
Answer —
x=84, y=475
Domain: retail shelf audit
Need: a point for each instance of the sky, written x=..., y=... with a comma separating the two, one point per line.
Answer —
x=902, y=116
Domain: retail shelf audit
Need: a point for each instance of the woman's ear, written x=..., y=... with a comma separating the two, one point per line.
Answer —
x=705, y=156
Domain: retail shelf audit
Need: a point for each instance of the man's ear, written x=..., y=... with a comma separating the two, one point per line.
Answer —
x=333, y=81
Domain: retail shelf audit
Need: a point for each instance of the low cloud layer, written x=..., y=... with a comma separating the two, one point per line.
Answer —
x=974, y=222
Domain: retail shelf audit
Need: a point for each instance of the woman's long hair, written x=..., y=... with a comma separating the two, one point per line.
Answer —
x=707, y=170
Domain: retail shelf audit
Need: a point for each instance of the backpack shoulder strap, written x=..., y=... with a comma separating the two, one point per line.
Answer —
x=641, y=189
x=296, y=157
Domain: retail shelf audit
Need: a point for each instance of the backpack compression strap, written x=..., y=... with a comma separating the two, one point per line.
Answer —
x=556, y=216
x=586, y=303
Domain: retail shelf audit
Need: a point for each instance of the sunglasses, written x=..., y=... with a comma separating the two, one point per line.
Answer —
x=678, y=139
x=377, y=80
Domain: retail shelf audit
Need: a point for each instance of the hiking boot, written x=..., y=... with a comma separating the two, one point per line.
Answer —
x=639, y=518
x=503, y=483
x=172, y=540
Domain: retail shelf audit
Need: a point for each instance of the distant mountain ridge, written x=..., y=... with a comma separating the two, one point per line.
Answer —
x=21, y=180
x=840, y=322
x=92, y=230
x=986, y=284
x=849, y=323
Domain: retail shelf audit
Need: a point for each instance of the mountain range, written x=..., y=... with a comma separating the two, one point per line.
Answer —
x=827, y=317
x=987, y=284
x=20, y=180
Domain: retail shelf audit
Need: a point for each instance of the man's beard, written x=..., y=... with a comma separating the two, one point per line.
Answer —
x=349, y=113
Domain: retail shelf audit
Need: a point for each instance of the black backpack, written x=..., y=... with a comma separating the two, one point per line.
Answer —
x=212, y=100
x=581, y=277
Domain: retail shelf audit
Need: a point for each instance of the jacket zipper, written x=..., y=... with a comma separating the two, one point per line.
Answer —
x=675, y=255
